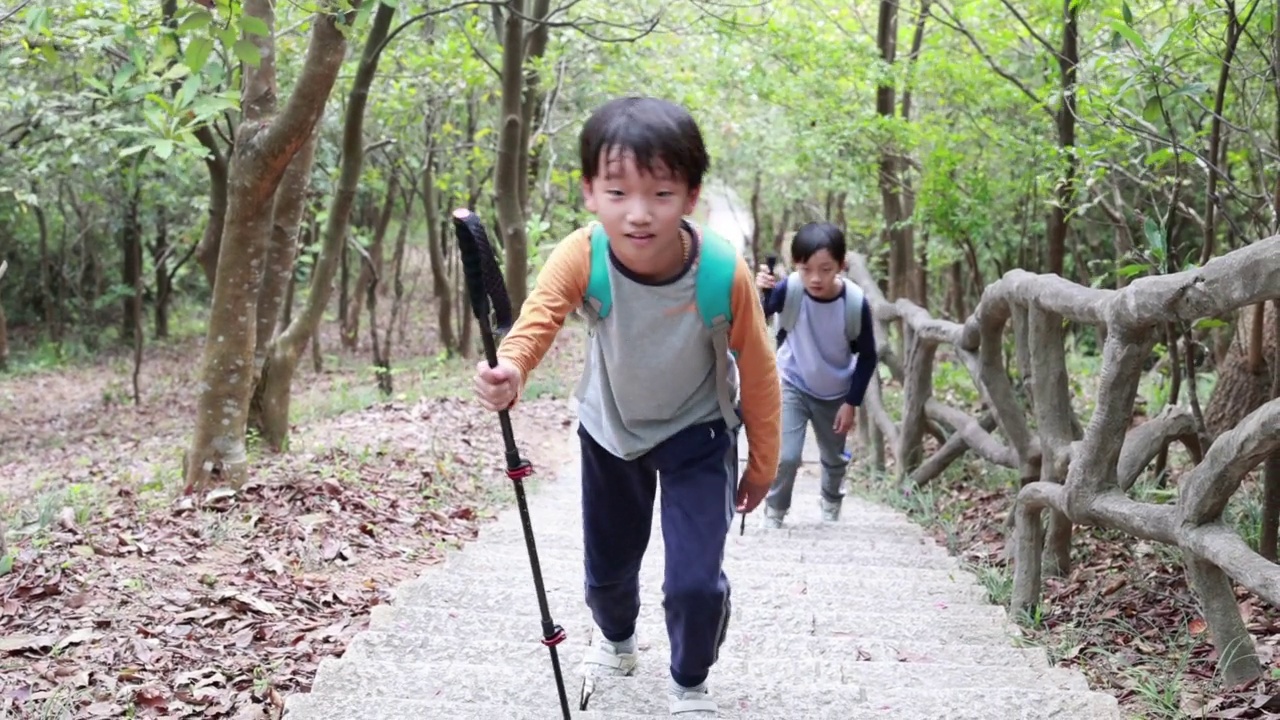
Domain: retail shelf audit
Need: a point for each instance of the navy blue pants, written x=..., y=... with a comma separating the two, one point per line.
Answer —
x=698, y=468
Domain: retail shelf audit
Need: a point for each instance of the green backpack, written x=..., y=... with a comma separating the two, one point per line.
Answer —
x=717, y=264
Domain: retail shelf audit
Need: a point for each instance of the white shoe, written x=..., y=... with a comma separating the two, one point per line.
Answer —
x=830, y=510
x=691, y=703
x=604, y=660
x=773, y=518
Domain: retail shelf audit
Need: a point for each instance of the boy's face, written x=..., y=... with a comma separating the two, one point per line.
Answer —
x=640, y=211
x=820, y=274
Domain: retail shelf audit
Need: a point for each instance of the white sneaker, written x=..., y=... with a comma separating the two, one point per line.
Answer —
x=604, y=660
x=690, y=703
x=830, y=510
x=773, y=518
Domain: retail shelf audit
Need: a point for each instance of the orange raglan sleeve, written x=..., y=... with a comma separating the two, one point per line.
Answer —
x=761, y=392
x=558, y=291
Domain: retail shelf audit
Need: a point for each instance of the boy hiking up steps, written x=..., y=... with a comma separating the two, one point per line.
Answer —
x=656, y=397
x=826, y=357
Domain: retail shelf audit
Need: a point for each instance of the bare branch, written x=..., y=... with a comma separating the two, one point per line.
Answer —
x=1045, y=43
x=14, y=11
x=959, y=27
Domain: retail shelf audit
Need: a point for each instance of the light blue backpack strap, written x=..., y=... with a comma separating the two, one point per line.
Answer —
x=717, y=266
x=791, y=302
x=852, y=310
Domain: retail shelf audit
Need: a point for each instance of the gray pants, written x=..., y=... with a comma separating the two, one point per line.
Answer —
x=798, y=409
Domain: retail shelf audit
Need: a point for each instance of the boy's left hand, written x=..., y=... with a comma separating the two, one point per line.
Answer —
x=846, y=419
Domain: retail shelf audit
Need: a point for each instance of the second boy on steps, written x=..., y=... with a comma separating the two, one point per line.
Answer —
x=826, y=356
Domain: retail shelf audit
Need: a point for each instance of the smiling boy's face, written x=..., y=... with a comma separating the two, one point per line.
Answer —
x=641, y=211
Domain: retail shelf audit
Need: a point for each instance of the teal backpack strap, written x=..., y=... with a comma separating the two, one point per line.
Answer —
x=599, y=300
x=791, y=303
x=717, y=265
x=853, y=310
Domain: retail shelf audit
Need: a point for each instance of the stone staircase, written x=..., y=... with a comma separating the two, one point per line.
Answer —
x=866, y=618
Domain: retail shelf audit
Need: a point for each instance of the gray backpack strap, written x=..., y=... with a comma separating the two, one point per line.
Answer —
x=853, y=298
x=725, y=384
x=591, y=318
x=791, y=303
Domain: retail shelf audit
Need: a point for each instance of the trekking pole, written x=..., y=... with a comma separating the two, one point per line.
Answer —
x=485, y=285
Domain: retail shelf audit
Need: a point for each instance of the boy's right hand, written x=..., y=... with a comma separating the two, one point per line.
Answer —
x=765, y=280
x=497, y=387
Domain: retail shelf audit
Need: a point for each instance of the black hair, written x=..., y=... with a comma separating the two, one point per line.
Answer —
x=816, y=236
x=655, y=131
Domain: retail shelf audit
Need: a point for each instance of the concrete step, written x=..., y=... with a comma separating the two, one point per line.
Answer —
x=555, y=524
x=523, y=622
x=443, y=647
x=743, y=552
x=751, y=569
x=497, y=591
x=407, y=679
x=792, y=695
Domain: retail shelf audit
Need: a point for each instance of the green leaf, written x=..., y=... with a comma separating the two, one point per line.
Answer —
x=1129, y=271
x=1129, y=34
x=1209, y=324
x=1195, y=88
x=197, y=54
x=1128, y=14
x=254, y=26
x=210, y=104
x=1155, y=240
x=190, y=88
x=1162, y=39
x=247, y=52
x=164, y=148
x=175, y=72
x=1151, y=111
x=122, y=76
x=197, y=20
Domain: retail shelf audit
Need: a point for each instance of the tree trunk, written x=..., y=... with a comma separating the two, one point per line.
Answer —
x=266, y=144
x=4, y=345
x=439, y=268
x=507, y=180
x=160, y=254
x=277, y=374
x=531, y=106
x=1271, y=468
x=1068, y=58
x=1239, y=391
x=1234, y=31
x=210, y=246
x=894, y=194
x=282, y=252
x=131, y=254
x=369, y=272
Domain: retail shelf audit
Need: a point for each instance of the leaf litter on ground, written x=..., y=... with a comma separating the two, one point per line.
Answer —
x=220, y=606
x=1124, y=615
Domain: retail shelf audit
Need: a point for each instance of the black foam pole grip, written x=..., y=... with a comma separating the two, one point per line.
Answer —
x=480, y=265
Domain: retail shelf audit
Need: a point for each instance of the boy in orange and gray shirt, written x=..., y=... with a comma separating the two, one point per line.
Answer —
x=649, y=404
